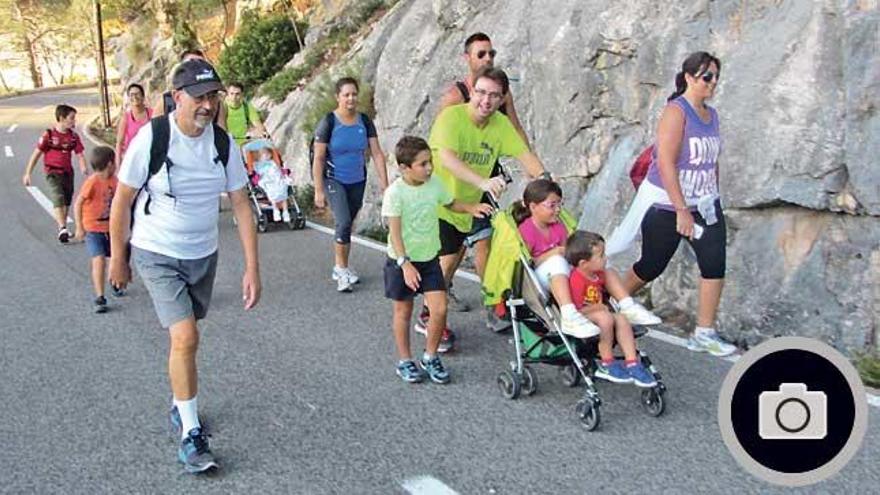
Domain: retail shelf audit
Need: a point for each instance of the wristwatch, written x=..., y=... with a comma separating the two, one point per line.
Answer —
x=402, y=261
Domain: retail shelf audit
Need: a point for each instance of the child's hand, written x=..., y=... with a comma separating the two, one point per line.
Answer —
x=411, y=276
x=481, y=210
x=26, y=180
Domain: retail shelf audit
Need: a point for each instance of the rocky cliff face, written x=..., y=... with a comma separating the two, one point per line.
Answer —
x=798, y=100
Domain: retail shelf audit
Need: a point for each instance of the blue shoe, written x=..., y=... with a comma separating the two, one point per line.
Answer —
x=641, y=376
x=409, y=372
x=435, y=370
x=614, y=372
x=194, y=453
x=117, y=292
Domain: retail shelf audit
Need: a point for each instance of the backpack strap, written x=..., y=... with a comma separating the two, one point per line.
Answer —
x=247, y=115
x=168, y=103
x=158, y=152
x=221, y=144
x=463, y=89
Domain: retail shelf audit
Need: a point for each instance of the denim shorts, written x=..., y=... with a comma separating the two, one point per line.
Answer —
x=179, y=288
x=98, y=244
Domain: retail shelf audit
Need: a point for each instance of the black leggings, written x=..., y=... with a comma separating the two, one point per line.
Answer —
x=660, y=240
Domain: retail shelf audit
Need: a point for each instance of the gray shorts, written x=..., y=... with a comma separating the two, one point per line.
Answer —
x=179, y=288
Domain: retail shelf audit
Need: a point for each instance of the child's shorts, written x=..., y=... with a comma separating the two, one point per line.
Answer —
x=60, y=188
x=98, y=244
x=395, y=286
x=551, y=267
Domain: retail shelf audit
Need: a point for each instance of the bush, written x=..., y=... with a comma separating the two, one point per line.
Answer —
x=260, y=49
x=868, y=365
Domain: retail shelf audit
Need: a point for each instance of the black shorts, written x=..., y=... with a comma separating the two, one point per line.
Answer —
x=660, y=240
x=451, y=239
x=395, y=286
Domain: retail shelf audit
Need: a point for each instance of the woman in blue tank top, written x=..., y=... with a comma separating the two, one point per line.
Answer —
x=342, y=140
x=685, y=165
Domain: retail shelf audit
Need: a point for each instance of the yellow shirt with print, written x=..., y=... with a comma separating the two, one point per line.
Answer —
x=478, y=147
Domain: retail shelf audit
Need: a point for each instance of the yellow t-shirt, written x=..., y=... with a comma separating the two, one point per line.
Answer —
x=479, y=147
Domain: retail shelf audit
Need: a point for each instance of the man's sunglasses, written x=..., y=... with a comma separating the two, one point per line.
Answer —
x=482, y=53
x=709, y=76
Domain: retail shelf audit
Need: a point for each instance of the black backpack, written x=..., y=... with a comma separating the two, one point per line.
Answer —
x=159, y=151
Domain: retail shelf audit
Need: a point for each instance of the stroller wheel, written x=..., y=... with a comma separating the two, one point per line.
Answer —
x=588, y=413
x=569, y=375
x=529, y=381
x=653, y=402
x=509, y=384
x=299, y=222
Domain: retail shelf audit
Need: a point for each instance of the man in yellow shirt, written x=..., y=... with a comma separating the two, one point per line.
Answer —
x=466, y=140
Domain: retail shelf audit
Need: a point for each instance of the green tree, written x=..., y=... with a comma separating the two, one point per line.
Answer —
x=259, y=50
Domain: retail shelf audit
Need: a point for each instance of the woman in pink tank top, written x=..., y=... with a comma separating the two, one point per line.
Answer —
x=137, y=116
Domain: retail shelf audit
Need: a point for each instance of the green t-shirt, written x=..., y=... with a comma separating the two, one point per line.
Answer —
x=479, y=147
x=236, y=123
x=417, y=208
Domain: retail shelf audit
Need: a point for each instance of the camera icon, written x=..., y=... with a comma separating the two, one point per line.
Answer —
x=792, y=413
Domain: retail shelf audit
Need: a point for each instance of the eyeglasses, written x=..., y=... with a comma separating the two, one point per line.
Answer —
x=709, y=76
x=482, y=93
x=552, y=205
x=491, y=53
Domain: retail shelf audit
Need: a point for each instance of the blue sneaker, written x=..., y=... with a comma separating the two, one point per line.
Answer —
x=641, y=376
x=177, y=424
x=614, y=372
x=194, y=453
x=409, y=372
x=435, y=370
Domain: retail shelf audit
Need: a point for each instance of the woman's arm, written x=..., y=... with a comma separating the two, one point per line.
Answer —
x=318, y=173
x=670, y=131
x=120, y=137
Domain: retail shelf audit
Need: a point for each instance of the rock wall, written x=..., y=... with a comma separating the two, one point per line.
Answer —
x=798, y=99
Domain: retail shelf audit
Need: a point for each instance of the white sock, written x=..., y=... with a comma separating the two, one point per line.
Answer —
x=568, y=310
x=625, y=303
x=704, y=331
x=189, y=415
x=427, y=357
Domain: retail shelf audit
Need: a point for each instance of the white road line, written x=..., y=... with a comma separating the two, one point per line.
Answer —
x=8, y=150
x=873, y=400
x=427, y=485
x=44, y=202
x=12, y=128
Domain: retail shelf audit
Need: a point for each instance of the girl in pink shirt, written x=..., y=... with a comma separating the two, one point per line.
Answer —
x=544, y=234
x=131, y=120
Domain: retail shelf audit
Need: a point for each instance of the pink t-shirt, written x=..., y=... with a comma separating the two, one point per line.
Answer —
x=537, y=241
x=132, y=126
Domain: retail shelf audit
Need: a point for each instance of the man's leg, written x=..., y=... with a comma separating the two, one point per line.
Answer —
x=182, y=372
x=481, y=255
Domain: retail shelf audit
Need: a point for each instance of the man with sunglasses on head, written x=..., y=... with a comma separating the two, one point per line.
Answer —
x=173, y=172
x=478, y=53
x=466, y=142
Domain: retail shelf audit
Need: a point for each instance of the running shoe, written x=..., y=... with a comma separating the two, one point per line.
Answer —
x=711, y=343
x=496, y=323
x=343, y=283
x=409, y=372
x=614, y=372
x=100, y=305
x=641, y=376
x=447, y=341
x=194, y=452
x=435, y=370
x=116, y=291
x=339, y=272
x=63, y=235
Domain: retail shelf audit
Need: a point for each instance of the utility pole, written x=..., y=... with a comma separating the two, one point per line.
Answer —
x=102, y=68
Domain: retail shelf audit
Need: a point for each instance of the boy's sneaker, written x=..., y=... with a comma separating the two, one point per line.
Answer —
x=435, y=370
x=409, y=372
x=456, y=304
x=447, y=341
x=711, y=343
x=194, y=453
x=639, y=315
x=100, y=305
x=641, y=376
x=578, y=326
x=614, y=372
x=116, y=291
x=63, y=235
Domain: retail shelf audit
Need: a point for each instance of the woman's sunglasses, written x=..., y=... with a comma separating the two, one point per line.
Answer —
x=482, y=53
x=709, y=76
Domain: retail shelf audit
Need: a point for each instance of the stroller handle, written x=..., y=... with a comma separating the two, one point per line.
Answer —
x=493, y=201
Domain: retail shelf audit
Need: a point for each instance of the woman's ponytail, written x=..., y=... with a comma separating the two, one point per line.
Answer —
x=680, y=86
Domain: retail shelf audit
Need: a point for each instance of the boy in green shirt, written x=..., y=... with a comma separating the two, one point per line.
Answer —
x=410, y=204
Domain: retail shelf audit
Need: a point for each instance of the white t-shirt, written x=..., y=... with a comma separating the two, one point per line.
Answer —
x=183, y=226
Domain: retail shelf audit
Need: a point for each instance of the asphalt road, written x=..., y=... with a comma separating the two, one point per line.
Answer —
x=300, y=393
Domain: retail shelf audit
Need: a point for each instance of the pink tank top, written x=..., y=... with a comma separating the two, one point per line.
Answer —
x=132, y=126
